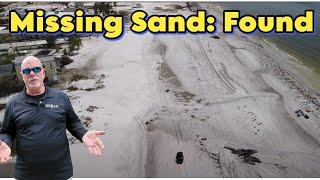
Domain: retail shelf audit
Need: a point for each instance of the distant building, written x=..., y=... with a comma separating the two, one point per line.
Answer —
x=2, y=28
x=80, y=5
x=23, y=45
x=69, y=10
x=14, y=6
x=4, y=33
x=47, y=62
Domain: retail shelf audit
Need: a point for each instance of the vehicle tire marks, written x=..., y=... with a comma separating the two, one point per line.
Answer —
x=136, y=117
x=223, y=79
x=159, y=49
x=201, y=70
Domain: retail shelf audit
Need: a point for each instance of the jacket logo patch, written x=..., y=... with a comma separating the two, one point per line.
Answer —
x=52, y=106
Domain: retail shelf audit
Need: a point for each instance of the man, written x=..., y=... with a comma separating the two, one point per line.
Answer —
x=38, y=118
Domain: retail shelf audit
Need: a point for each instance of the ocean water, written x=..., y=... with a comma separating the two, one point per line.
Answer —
x=305, y=47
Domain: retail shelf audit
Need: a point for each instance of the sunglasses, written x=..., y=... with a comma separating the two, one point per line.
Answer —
x=27, y=71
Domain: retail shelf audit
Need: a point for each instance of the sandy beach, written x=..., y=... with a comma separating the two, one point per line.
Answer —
x=211, y=97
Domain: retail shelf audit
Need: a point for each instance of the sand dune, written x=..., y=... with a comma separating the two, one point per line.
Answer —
x=196, y=94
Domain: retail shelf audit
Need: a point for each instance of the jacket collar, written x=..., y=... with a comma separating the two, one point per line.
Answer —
x=29, y=99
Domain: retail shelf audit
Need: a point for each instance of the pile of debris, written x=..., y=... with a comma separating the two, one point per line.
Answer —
x=246, y=154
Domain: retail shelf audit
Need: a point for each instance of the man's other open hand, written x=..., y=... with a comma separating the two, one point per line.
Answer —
x=93, y=143
x=5, y=152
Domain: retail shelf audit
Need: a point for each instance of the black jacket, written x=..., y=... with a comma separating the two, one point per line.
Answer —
x=39, y=126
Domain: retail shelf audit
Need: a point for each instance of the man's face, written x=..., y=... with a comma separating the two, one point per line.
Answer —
x=32, y=79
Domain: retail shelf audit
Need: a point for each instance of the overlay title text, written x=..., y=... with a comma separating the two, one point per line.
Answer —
x=113, y=26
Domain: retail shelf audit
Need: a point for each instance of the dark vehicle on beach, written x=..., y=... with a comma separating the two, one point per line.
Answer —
x=299, y=113
x=179, y=158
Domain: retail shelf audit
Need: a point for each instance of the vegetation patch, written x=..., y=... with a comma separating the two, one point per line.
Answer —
x=92, y=108
x=9, y=85
x=86, y=121
x=64, y=60
x=72, y=88
x=77, y=77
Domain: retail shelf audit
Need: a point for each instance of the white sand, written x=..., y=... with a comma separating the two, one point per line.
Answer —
x=243, y=105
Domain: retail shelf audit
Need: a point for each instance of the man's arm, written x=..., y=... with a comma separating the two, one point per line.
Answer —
x=7, y=135
x=74, y=124
x=8, y=129
x=89, y=138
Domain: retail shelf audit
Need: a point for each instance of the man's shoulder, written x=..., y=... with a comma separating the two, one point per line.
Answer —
x=16, y=97
x=56, y=92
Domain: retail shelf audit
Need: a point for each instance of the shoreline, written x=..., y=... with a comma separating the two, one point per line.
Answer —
x=306, y=70
x=301, y=67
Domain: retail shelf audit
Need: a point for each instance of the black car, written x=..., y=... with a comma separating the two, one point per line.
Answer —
x=179, y=158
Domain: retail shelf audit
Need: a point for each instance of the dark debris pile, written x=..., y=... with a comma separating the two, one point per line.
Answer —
x=245, y=154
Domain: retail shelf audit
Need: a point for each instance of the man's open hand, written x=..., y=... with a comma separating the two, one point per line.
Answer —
x=93, y=143
x=5, y=152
